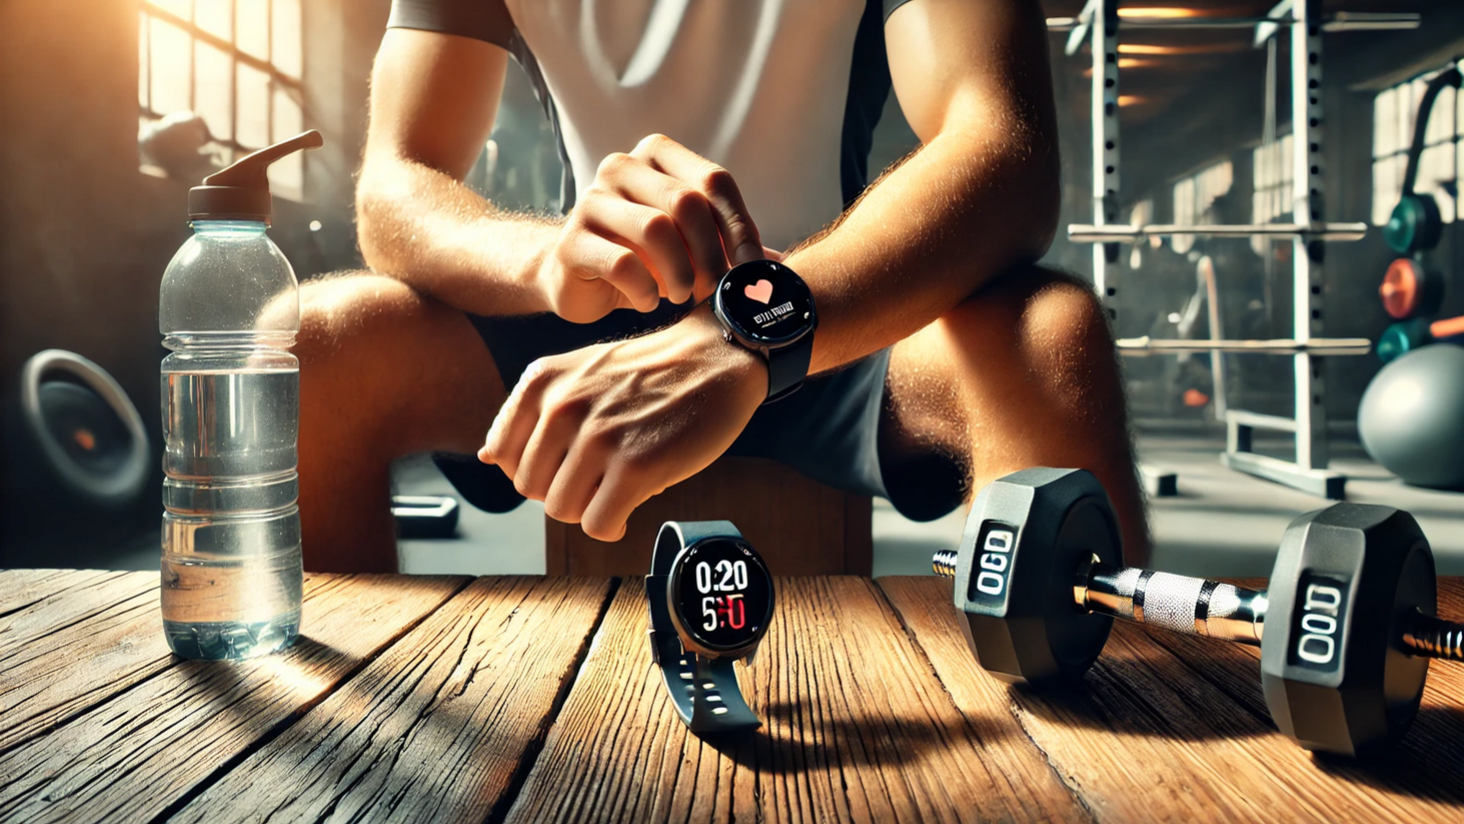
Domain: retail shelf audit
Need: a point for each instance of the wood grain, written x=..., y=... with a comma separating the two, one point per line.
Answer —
x=128, y=759
x=437, y=727
x=20, y=588
x=856, y=728
x=1424, y=776
x=88, y=641
x=800, y=526
x=1171, y=728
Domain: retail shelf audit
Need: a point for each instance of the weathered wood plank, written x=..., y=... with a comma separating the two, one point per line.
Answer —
x=130, y=758
x=437, y=727
x=24, y=632
x=76, y=648
x=857, y=728
x=59, y=668
x=1168, y=728
x=21, y=588
x=1423, y=777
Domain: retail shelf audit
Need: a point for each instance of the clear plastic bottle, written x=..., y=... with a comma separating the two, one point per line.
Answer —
x=229, y=309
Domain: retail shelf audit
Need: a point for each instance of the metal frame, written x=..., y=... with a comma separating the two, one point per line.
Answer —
x=1099, y=23
x=1316, y=347
x=1099, y=233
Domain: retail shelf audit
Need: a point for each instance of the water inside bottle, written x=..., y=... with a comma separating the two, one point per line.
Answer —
x=231, y=583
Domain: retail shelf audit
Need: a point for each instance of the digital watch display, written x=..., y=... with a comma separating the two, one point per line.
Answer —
x=766, y=307
x=721, y=594
x=765, y=302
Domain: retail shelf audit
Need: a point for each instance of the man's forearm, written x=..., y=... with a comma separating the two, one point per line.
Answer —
x=964, y=208
x=433, y=233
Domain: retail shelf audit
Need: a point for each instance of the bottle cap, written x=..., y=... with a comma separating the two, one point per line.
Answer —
x=241, y=191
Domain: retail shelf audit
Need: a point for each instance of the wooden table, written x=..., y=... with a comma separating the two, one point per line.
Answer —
x=534, y=699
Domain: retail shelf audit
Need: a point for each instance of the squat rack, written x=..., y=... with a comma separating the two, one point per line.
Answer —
x=1099, y=23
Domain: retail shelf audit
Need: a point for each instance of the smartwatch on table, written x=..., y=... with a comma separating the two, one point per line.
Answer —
x=711, y=600
x=764, y=306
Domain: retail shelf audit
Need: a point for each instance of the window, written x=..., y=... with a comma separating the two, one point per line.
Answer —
x=234, y=63
x=1193, y=197
x=1272, y=181
x=1394, y=111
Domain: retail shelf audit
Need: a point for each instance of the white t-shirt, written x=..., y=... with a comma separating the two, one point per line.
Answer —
x=783, y=93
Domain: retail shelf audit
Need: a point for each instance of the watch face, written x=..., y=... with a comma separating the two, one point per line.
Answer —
x=722, y=594
x=765, y=302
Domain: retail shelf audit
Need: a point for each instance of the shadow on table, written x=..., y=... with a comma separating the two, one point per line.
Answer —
x=250, y=687
x=794, y=739
x=1426, y=764
x=1127, y=712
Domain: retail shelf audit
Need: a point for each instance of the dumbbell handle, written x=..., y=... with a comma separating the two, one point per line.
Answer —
x=1193, y=606
x=1433, y=637
x=1196, y=606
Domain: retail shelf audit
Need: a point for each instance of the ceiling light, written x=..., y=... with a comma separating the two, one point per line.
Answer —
x=1139, y=48
x=1157, y=12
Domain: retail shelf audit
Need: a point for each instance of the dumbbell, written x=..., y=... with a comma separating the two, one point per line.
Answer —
x=1402, y=338
x=1346, y=628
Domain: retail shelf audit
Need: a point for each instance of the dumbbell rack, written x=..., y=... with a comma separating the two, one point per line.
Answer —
x=1099, y=23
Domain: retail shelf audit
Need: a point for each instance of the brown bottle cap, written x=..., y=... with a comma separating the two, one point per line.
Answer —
x=241, y=191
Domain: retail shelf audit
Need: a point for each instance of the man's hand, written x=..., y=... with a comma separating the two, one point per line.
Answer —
x=596, y=432
x=660, y=222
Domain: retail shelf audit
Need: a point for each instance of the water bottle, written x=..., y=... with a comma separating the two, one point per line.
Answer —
x=229, y=309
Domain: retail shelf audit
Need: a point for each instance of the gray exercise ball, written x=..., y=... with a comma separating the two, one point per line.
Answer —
x=1412, y=417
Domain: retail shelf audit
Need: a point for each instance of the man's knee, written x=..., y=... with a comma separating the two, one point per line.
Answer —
x=1040, y=311
x=342, y=312
x=359, y=336
x=1062, y=322
x=379, y=359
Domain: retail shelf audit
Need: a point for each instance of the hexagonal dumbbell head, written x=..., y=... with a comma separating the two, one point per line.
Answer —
x=1346, y=582
x=1025, y=540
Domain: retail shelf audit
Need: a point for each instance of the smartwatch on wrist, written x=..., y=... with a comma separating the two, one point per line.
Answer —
x=711, y=600
x=764, y=306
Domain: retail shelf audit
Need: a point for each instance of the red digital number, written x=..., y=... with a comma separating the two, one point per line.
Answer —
x=733, y=611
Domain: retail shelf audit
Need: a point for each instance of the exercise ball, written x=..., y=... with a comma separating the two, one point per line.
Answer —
x=1412, y=416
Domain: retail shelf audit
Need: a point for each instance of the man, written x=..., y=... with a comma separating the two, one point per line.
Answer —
x=699, y=136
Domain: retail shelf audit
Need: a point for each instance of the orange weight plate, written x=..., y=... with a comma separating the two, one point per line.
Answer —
x=1402, y=288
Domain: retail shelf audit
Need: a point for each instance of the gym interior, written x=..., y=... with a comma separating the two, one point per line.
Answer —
x=1202, y=132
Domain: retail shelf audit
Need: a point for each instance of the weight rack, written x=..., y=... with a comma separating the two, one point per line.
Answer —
x=1099, y=24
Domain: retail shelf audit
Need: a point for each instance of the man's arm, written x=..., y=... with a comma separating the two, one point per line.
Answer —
x=656, y=222
x=980, y=196
x=433, y=98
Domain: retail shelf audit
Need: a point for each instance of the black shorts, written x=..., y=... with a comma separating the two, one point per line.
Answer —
x=828, y=430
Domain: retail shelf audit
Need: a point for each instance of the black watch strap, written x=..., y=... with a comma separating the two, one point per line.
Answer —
x=704, y=690
x=787, y=368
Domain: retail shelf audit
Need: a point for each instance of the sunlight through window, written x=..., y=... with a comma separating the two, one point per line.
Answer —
x=235, y=64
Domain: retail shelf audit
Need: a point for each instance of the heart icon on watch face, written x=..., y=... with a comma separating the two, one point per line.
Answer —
x=762, y=291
